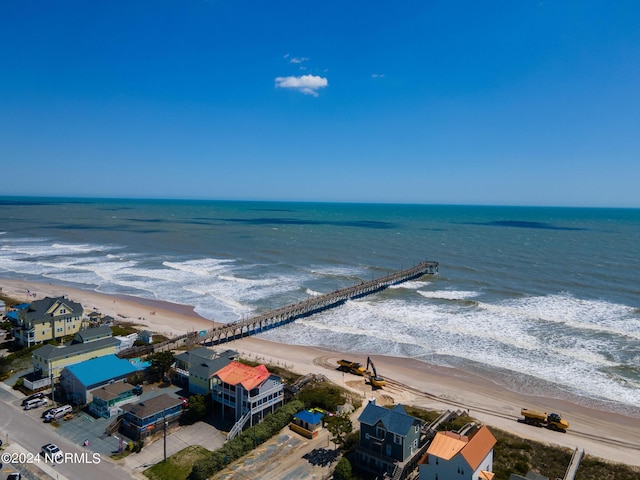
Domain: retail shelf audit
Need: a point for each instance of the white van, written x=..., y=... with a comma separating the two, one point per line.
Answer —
x=35, y=403
x=57, y=413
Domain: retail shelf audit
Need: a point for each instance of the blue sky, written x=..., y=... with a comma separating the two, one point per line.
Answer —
x=497, y=102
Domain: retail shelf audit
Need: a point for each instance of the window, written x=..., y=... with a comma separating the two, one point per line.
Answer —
x=380, y=432
x=366, y=436
x=397, y=439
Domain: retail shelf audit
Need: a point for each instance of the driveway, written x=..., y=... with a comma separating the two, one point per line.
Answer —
x=200, y=433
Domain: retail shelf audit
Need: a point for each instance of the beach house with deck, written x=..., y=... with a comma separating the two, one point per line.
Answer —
x=464, y=457
x=246, y=394
x=389, y=437
x=141, y=419
x=195, y=368
x=47, y=319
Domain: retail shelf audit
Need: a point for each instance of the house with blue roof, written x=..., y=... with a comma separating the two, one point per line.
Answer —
x=389, y=437
x=78, y=380
x=307, y=423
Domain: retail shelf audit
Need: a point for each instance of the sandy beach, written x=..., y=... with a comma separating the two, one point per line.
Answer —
x=601, y=434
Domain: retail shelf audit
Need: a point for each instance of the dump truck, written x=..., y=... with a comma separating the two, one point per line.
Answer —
x=544, y=419
x=352, y=367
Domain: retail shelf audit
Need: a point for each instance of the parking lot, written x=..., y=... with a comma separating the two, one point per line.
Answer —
x=84, y=426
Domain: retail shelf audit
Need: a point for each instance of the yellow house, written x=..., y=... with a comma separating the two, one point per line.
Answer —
x=89, y=343
x=47, y=319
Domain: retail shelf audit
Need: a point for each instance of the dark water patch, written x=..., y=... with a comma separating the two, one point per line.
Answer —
x=70, y=226
x=146, y=220
x=287, y=221
x=115, y=209
x=271, y=210
x=28, y=203
x=524, y=224
x=108, y=228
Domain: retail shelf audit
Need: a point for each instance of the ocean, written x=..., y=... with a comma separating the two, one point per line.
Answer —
x=545, y=301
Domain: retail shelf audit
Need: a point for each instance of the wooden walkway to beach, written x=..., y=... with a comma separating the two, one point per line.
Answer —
x=287, y=314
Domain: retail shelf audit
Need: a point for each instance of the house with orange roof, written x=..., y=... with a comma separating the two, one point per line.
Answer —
x=464, y=457
x=246, y=393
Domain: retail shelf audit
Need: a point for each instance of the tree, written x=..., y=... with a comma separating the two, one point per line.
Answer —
x=197, y=408
x=343, y=470
x=160, y=363
x=339, y=426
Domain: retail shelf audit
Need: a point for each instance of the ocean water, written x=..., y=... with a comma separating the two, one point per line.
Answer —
x=543, y=300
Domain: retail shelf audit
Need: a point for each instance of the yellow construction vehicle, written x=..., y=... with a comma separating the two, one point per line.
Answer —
x=374, y=379
x=352, y=367
x=544, y=419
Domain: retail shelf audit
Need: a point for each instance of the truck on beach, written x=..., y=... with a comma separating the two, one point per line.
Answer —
x=352, y=367
x=543, y=419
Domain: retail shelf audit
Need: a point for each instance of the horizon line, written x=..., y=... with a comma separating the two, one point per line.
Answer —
x=331, y=202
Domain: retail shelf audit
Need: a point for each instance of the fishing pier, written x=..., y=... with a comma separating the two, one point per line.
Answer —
x=289, y=313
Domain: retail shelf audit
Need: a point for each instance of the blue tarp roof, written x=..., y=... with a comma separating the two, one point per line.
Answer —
x=12, y=315
x=309, y=417
x=101, y=370
x=22, y=306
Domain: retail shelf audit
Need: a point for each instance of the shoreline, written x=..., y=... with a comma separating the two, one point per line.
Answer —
x=607, y=435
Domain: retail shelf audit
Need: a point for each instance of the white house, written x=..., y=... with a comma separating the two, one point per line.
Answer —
x=463, y=457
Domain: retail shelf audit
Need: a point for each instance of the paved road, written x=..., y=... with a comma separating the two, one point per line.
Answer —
x=25, y=434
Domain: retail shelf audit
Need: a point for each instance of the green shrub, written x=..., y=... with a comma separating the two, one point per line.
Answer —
x=324, y=395
x=343, y=470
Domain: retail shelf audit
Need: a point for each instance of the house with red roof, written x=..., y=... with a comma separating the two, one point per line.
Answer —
x=464, y=457
x=246, y=393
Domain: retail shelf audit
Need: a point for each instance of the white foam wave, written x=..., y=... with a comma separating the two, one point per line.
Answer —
x=505, y=339
x=449, y=294
x=202, y=267
x=579, y=314
x=338, y=271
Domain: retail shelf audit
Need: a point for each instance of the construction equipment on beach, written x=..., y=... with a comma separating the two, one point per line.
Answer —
x=551, y=421
x=374, y=379
x=352, y=367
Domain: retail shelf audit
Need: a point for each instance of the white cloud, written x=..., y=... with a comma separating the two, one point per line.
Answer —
x=377, y=75
x=298, y=59
x=307, y=84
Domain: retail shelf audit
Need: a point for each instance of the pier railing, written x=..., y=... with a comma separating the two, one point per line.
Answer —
x=289, y=313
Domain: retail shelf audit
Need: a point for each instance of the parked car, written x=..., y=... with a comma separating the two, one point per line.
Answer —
x=35, y=403
x=35, y=396
x=14, y=476
x=47, y=411
x=57, y=413
x=51, y=452
x=137, y=390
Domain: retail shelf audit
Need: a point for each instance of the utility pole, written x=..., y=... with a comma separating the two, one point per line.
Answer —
x=164, y=420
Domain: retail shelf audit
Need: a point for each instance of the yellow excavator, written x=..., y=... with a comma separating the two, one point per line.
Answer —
x=374, y=379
